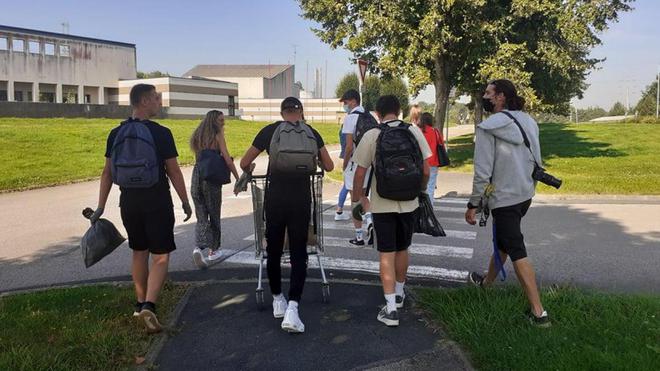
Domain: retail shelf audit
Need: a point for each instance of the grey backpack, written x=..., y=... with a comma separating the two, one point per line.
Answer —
x=134, y=158
x=293, y=149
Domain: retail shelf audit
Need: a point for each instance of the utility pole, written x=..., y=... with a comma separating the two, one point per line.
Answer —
x=657, y=95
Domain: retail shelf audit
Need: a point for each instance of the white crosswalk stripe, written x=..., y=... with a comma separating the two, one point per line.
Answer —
x=347, y=226
x=358, y=265
x=337, y=234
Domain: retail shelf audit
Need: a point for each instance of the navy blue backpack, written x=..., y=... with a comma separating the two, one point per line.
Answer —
x=134, y=157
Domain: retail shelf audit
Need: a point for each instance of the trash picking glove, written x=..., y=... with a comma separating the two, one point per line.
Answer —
x=358, y=210
x=188, y=210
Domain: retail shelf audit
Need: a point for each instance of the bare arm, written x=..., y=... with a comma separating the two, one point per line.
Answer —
x=248, y=158
x=176, y=177
x=426, y=174
x=106, y=184
x=326, y=161
x=225, y=152
x=348, y=151
x=358, y=183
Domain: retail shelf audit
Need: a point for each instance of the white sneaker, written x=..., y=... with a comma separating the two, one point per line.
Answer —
x=342, y=216
x=198, y=258
x=279, y=307
x=292, y=322
x=215, y=254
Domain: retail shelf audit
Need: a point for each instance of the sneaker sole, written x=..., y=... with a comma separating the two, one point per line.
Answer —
x=278, y=316
x=198, y=259
x=292, y=330
x=400, y=305
x=389, y=322
x=150, y=321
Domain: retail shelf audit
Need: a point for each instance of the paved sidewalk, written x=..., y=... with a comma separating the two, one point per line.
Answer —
x=221, y=328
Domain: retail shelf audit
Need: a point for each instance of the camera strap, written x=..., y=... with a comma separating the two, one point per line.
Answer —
x=525, y=139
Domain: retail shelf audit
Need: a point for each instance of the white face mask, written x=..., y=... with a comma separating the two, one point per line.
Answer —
x=346, y=108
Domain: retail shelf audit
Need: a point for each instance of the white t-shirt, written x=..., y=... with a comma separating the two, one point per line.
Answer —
x=364, y=156
x=350, y=121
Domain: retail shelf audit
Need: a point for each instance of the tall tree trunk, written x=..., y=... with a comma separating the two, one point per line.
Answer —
x=478, y=108
x=442, y=89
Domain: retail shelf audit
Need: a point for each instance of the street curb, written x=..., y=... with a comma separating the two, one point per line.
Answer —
x=120, y=283
x=159, y=343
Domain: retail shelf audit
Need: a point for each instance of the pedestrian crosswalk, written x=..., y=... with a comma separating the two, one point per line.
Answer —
x=339, y=254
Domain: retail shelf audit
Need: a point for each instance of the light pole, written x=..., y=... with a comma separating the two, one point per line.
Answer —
x=657, y=95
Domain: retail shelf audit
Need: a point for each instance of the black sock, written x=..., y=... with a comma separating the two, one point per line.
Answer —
x=149, y=306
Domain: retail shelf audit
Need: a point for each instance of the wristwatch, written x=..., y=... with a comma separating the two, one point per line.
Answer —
x=470, y=206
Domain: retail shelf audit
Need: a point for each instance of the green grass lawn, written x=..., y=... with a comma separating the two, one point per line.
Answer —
x=85, y=328
x=590, y=158
x=590, y=331
x=43, y=152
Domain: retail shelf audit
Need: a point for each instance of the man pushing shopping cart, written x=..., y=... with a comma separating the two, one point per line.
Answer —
x=291, y=184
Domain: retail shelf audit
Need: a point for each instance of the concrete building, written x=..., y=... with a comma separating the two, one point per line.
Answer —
x=39, y=66
x=328, y=110
x=255, y=81
x=188, y=97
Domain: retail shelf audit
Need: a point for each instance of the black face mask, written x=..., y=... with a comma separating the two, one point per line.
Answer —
x=487, y=105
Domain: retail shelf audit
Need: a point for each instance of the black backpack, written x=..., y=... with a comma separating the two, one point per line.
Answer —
x=365, y=122
x=399, y=165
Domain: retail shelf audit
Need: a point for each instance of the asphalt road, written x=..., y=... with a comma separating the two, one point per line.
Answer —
x=604, y=243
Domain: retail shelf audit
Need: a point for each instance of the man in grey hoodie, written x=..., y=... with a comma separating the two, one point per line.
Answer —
x=503, y=183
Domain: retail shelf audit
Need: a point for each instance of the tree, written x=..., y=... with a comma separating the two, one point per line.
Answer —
x=618, y=109
x=349, y=81
x=591, y=113
x=370, y=92
x=397, y=87
x=151, y=75
x=542, y=45
x=647, y=104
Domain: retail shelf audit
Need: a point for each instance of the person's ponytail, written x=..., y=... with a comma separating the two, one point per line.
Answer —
x=516, y=103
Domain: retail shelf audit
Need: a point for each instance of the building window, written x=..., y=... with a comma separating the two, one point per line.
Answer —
x=18, y=45
x=29, y=94
x=88, y=99
x=18, y=96
x=65, y=51
x=3, y=43
x=47, y=97
x=34, y=47
x=49, y=49
x=3, y=95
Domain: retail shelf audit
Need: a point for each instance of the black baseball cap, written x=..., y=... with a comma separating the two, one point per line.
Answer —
x=290, y=102
x=350, y=94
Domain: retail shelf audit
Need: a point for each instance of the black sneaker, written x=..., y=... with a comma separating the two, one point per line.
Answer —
x=391, y=319
x=138, y=308
x=357, y=242
x=399, y=301
x=543, y=321
x=476, y=279
x=370, y=233
x=148, y=317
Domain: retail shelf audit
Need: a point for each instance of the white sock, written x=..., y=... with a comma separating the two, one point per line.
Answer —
x=279, y=296
x=398, y=288
x=358, y=234
x=391, y=302
x=293, y=304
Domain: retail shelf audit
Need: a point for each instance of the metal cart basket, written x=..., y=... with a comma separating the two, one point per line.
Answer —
x=314, y=243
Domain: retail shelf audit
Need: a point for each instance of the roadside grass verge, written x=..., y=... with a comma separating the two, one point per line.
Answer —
x=602, y=158
x=83, y=328
x=44, y=152
x=590, y=331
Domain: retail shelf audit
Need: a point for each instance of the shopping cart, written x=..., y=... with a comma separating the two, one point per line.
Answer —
x=315, y=241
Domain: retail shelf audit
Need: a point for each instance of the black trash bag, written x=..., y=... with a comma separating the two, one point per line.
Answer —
x=425, y=220
x=101, y=239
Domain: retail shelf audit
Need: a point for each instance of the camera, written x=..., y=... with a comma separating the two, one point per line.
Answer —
x=540, y=175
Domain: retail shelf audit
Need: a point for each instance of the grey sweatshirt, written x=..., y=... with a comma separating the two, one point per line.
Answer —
x=500, y=153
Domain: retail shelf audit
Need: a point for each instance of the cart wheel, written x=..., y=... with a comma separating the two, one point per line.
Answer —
x=260, y=299
x=326, y=292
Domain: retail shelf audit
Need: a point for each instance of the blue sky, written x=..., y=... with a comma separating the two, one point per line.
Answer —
x=174, y=36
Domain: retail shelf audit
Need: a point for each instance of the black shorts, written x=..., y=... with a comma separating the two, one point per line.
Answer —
x=153, y=230
x=393, y=231
x=507, y=229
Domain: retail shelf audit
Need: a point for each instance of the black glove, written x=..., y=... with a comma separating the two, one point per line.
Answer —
x=188, y=210
x=96, y=215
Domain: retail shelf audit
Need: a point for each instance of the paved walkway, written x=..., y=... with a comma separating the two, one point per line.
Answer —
x=221, y=328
